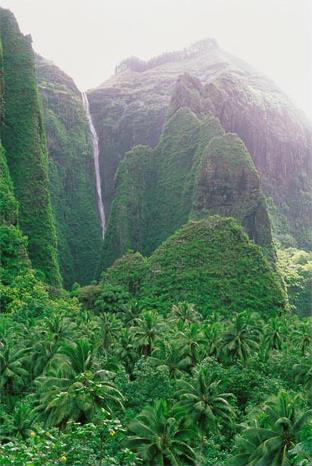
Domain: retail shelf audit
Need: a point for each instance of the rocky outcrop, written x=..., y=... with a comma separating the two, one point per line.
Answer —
x=132, y=106
x=228, y=185
x=24, y=141
x=195, y=171
x=72, y=177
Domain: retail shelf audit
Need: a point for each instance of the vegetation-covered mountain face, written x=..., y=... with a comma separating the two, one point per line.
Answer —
x=196, y=170
x=24, y=142
x=210, y=263
x=71, y=174
x=131, y=108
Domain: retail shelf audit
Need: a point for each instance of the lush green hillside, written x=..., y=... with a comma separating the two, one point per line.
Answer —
x=210, y=263
x=196, y=170
x=23, y=138
x=71, y=174
x=102, y=382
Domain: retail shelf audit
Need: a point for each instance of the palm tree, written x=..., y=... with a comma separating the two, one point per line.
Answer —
x=73, y=389
x=110, y=328
x=203, y=400
x=130, y=313
x=273, y=334
x=185, y=312
x=270, y=442
x=160, y=438
x=12, y=366
x=59, y=328
x=212, y=335
x=172, y=356
x=303, y=333
x=77, y=357
x=192, y=339
x=146, y=331
x=303, y=372
x=240, y=339
x=126, y=350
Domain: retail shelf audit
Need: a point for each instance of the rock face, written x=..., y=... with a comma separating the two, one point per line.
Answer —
x=24, y=154
x=228, y=185
x=132, y=106
x=195, y=171
x=71, y=172
x=210, y=263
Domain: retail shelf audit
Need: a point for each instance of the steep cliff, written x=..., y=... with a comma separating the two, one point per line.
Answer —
x=71, y=173
x=24, y=142
x=196, y=170
x=210, y=263
x=132, y=106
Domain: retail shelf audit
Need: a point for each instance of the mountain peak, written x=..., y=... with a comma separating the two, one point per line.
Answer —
x=137, y=64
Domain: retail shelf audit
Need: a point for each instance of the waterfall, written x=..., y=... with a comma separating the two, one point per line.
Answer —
x=95, y=144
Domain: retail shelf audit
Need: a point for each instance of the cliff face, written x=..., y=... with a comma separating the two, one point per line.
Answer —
x=280, y=140
x=228, y=185
x=25, y=166
x=71, y=173
x=132, y=106
x=196, y=170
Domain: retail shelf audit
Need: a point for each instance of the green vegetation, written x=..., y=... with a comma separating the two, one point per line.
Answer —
x=122, y=384
x=23, y=138
x=198, y=353
x=210, y=263
x=71, y=175
x=296, y=269
x=195, y=171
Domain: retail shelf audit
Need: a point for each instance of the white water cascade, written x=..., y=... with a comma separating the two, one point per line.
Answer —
x=95, y=143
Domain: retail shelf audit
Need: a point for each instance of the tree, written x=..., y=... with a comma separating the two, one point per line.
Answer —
x=73, y=389
x=126, y=350
x=204, y=402
x=303, y=372
x=146, y=331
x=191, y=338
x=110, y=328
x=12, y=366
x=212, y=335
x=160, y=438
x=185, y=312
x=268, y=442
x=240, y=339
x=273, y=334
x=172, y=356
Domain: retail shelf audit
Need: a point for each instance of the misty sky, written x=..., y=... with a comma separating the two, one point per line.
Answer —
x=87, y=38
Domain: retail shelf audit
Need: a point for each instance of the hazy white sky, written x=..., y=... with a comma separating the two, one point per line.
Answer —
x=87, y=38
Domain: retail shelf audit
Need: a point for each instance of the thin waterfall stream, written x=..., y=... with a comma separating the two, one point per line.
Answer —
x=95, y=143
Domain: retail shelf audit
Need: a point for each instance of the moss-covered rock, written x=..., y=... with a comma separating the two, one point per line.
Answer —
x=23, y=138
x=228, y=185
x=196, y=170
x=71, y=173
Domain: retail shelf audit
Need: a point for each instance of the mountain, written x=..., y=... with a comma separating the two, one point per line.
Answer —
x=196, y=170
x=71, y=174
x=24, y=152
x=132, y=107
x=210, y=263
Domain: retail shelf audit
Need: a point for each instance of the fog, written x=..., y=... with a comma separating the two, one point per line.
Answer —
x=88, y=38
